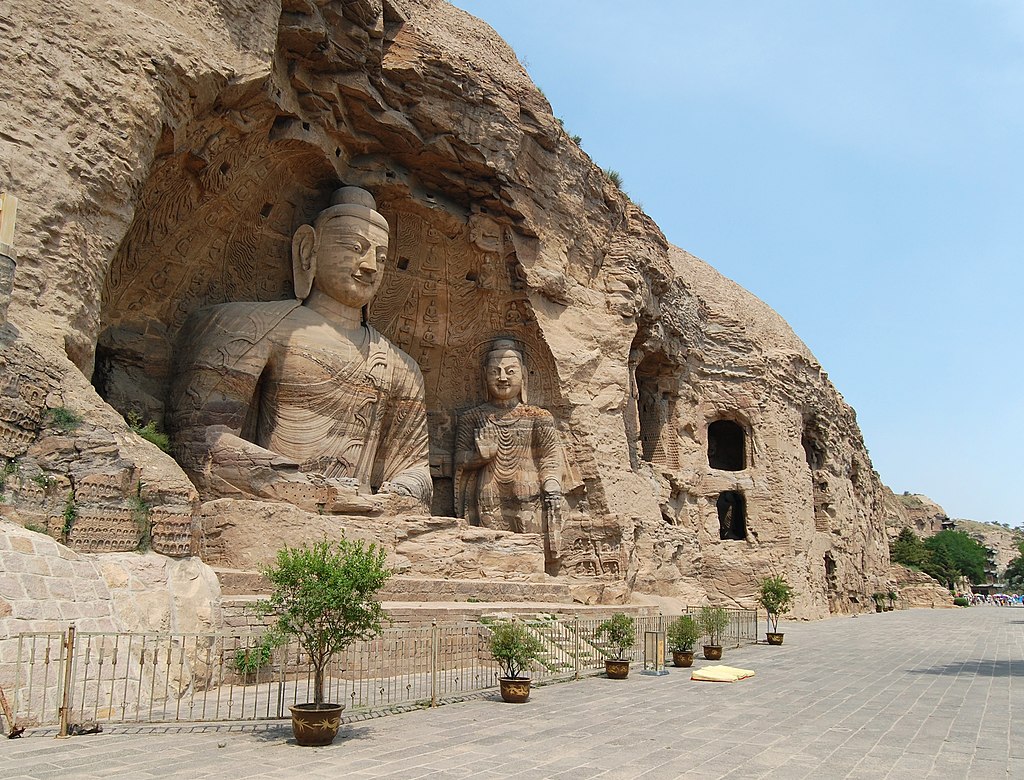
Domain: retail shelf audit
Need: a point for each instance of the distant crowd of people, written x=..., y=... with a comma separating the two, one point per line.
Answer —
x=998, y=599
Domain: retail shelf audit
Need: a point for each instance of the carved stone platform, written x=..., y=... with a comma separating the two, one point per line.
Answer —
x=238, y=616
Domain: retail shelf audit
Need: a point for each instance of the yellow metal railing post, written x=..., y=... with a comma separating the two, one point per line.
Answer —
x=433, y=663
x=65, y=701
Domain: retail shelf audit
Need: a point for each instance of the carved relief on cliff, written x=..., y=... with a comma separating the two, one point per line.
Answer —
x=451, y=286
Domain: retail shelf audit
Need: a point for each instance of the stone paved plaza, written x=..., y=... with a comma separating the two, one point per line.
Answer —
x=914, y=694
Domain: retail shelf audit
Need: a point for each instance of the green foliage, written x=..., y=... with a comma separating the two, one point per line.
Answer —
x=35, y=528
x=251, y=659
x=682, y=634
x=141, y=514
x=576, y=139
x=69, y=516
x=614, y=177
x=776, y=596
x=909, y=550
x=326, y=597
x=955, y=554
x=620, y=629
x=150, y=432
x=11, y=467
x=1015, y=574
x=960, y=601
x=515, y=647
x=947, y=556
x=44, y=480
x=63, y=419
x=713, y=621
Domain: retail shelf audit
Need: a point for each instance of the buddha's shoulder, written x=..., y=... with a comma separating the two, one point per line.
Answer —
x=395, y=355
x=246, y=315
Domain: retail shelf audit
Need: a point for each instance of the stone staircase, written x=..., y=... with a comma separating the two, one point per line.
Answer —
x=418, y=601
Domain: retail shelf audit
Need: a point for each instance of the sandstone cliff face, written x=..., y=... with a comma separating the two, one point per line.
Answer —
x=163, y=157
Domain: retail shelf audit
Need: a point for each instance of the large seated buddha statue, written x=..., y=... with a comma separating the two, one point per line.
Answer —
x=302, y=401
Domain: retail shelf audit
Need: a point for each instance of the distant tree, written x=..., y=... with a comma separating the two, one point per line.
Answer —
x=956, y=553
x=940, y=566
x=908, y=549
x=1015, y=574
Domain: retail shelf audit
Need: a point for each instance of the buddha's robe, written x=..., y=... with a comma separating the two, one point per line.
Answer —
x=504, y=492
x=278, y=377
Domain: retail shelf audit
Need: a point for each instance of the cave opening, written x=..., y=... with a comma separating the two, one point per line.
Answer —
x=813, y=444
x=732, y=515
x=727, y=448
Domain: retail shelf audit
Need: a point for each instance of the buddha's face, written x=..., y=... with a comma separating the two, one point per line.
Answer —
x=350, y=260
x=504, y=374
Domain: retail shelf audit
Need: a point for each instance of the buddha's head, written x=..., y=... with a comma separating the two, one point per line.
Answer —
x=505, y=372
x=342, y=253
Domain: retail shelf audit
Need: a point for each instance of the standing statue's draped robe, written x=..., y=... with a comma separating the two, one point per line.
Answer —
x=504, y=493
x=337, y=410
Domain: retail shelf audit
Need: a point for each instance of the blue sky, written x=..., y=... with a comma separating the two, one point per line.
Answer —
x=857, y=165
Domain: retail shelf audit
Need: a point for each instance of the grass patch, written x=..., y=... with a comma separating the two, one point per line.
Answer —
x=141, y=512
x=69, y=516
x=150, y=432
x=63, y=419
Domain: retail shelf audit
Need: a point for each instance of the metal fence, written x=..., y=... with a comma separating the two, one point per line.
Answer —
x=77, y=677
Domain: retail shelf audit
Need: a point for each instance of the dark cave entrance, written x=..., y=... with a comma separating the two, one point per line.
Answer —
x=732, y=515
x=727, y=448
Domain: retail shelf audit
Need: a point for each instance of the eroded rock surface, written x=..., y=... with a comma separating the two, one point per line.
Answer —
x=164, y=157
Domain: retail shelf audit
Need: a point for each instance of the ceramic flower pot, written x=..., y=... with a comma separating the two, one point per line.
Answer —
x=713, y=652
x=514, y=690
x=316, y=725
x=682, y=658
x=616, y=668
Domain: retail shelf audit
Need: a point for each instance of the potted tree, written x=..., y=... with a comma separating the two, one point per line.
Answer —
x=891, y=595
x=775, y=596
x=620, y=629
x=515, y=647
x=682, y=635
x=879, y=599
x=713, y=621
x=325, y=597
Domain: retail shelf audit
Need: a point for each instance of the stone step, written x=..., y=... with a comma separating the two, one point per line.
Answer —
x=419, y=589
x=238, y=582
x=238, y=614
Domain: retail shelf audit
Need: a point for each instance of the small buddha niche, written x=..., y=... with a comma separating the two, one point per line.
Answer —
x=732, y=515
x=814, y=448
x=727, y=446
x=656, y=388
x=830, y=572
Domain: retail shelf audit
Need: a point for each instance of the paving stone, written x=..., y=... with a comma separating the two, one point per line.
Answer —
x=826, y=704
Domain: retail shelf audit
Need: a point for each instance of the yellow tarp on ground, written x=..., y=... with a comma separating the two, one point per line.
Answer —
x=721, y=674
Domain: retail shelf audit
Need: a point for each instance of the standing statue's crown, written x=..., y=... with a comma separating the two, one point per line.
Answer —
x=500, y=346
x=352, y=202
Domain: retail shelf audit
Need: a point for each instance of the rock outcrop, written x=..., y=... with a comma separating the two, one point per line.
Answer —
x=164, y=155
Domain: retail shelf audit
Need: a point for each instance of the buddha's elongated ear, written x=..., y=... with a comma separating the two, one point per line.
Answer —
x=303, y=260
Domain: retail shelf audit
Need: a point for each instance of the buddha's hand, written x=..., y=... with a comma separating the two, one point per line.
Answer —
x=395, y=488
x=487, y=441
x=553, y=501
